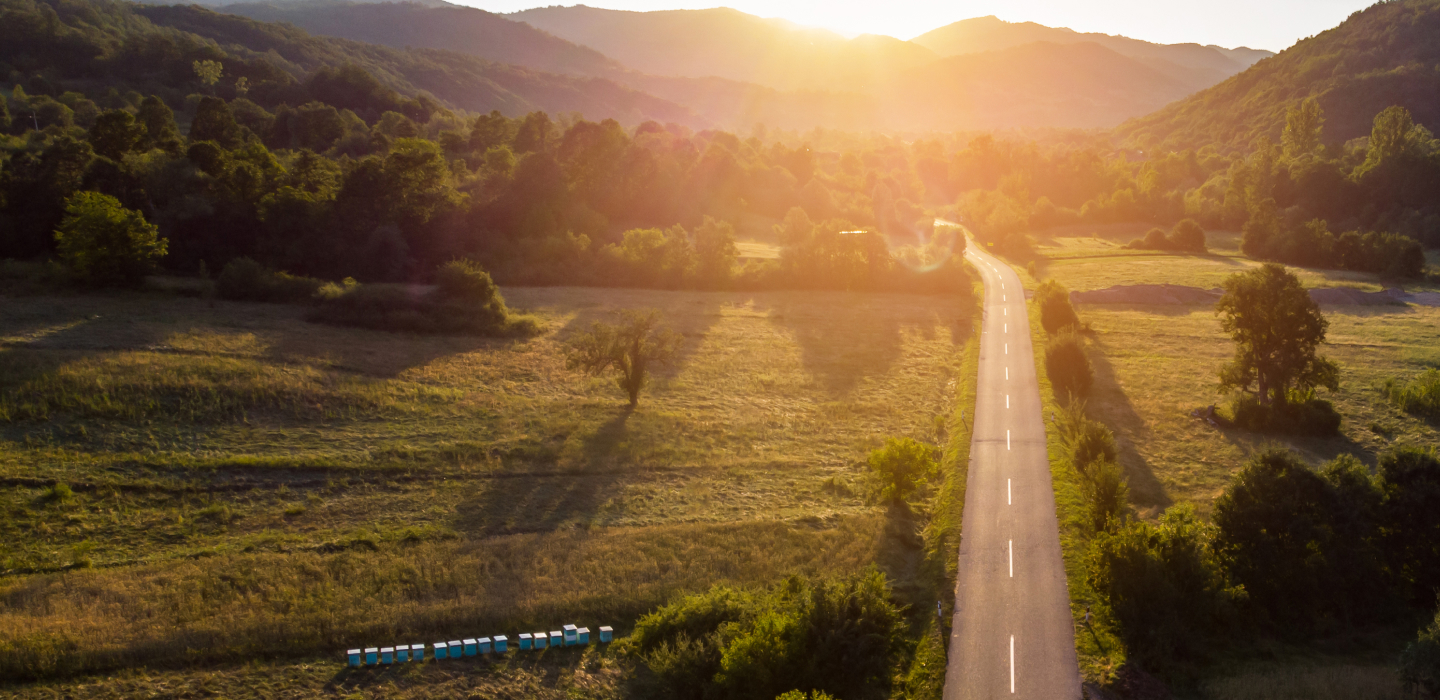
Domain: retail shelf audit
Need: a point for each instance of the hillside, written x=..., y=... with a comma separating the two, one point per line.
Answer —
x=82, y=45
x=463, y=29
x=1388, y=54
x=1192, y=64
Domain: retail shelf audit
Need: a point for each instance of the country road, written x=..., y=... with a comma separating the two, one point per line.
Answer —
x=1012, y=635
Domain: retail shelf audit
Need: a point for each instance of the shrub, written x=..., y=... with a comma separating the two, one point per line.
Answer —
x=1071, y=376
x=105, y=243
x=1056, y=313
x=1420, y=662
x=1420, y=396
x=1300, y=541
x=1188, y=236
x=1106, y=496
x=1410, y=482
x=244, y=279
x=901, y=465
x=1307, y=416
x=627, y=349
x=826, y=636
x=464, y=302
x=1164, y=588
x=1154, y=239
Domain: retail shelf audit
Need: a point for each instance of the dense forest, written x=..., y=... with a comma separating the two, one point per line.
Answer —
x=330, y=171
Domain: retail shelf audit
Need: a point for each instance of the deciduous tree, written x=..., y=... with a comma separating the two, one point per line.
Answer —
x=1276, y=327
x=628, y=349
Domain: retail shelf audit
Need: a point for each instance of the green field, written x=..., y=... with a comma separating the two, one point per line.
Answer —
x=244, y=484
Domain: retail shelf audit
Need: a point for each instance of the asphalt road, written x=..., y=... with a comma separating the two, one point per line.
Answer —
x=1013, y=635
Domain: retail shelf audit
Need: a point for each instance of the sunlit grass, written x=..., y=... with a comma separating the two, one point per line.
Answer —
x=249, y=484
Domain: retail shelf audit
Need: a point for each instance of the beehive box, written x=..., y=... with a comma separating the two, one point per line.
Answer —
x=457, y=648
x=539, y=639
x=500, y=643
x=471, y=647
x=527, y=641
x=353, y=657
x=441, y=650
x=583, y=635
x=402, y=653
x=484, y=645
x=372, y=655
x=417, y=652
x=572, y=635
x=387, y=655
x=606, y=634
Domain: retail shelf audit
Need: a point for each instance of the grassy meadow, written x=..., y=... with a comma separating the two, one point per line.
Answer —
x=1154, y=364
x=189, y=485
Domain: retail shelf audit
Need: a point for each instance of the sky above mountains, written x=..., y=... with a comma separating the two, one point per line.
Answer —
x=1258, y=24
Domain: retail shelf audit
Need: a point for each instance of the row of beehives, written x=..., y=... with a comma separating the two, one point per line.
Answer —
x=570, y=635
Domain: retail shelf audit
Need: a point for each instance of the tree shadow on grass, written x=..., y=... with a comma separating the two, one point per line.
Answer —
x=534, y=503
x=1108, y=399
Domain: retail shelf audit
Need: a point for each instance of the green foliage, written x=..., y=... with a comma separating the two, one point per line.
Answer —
x=1188, y=236
x=1056, y=313
x=105, y=243
x=1276, y=327
x=801, y=695
x=1090, y=449
x=627, y=349
x=1420, y=662
x=1410, y=481
x=208, y=72
x=1164, y=588
x=465, y=302
x=820, y=636
x=244, y=279
x=1067, y=366
x=1299, y=415
x=214, y=122
x=901, y=465
x=115, y=133
x=1303, y=125
x=1303, y=544
x=1420, y=395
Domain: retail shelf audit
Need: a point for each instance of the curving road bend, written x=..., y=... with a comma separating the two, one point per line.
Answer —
x=1012, y=634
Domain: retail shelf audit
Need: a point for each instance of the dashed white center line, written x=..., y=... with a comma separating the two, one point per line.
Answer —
x=1007, y=328
x=1012, y=558
x=1007, y=348
x=1007, y=312
x=1007, y=401
x=1007, y=373
x=1007, y=439
x=1003, y=297
x=1012, y=664
x=1009, y=494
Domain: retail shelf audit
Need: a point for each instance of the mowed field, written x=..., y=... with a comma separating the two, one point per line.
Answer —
x=1154, y=364
x=245, y=485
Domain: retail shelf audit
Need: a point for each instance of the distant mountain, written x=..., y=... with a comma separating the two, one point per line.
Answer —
x=729, y=44
x=455, y=79
x=734, y=70
x=440, y=26
x=1388, y=54
x=1192, y=64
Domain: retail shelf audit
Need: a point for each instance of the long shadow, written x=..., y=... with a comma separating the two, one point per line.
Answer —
x=691, y=314
x=1109, y=399
x=545, y=503
x=841, y=349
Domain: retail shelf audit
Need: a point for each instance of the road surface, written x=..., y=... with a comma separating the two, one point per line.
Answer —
x=1012, y=635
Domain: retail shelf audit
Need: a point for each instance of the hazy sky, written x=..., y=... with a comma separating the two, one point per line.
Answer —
x=1260, y=24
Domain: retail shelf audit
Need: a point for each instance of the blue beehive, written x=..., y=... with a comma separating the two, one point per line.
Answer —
x=370, y=655
x=387, y=655
x=605, y=634
x=557, y=638
x=527, y=642
x=539, y=639
x=457, y=648
x=417, y=652
x=584, y=634
x=500, y=642
x=471, y=647
x=484, y=645
x=353, y=656
x=572, y=635
x=440, y=650
x=402, y=653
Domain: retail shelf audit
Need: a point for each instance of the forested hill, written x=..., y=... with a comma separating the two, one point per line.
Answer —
x=1388, y=54
x=463, y=29
x=95, y=45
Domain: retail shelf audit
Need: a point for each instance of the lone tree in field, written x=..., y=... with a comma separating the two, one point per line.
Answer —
x=901, y=465
x=1276, y=327
x=627, y=349
x=105, y=243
